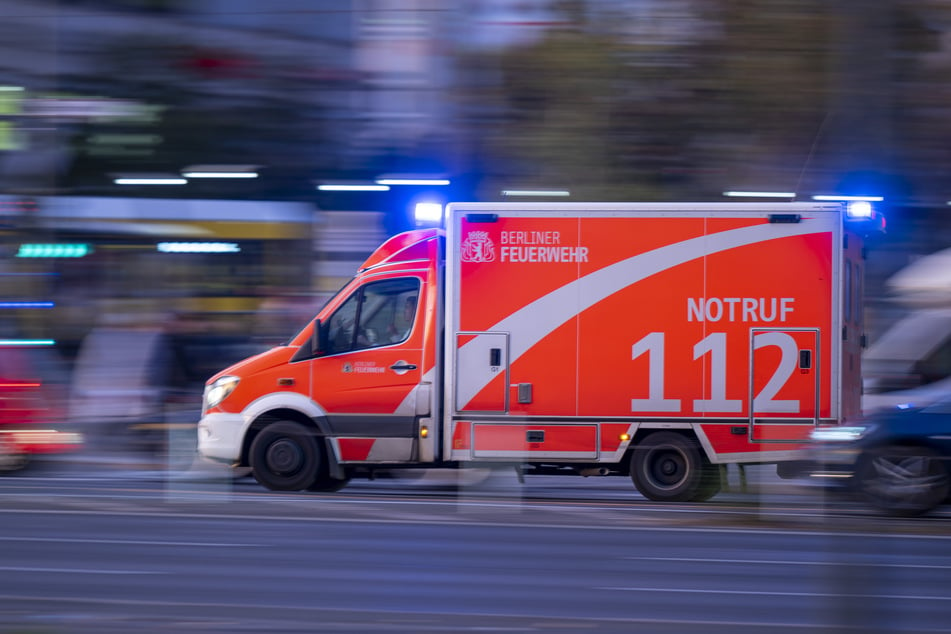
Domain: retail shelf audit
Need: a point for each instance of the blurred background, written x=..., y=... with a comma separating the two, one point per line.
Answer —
x=184, y=182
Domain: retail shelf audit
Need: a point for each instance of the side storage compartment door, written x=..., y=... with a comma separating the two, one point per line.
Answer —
x=784, y=384
x=482, y=359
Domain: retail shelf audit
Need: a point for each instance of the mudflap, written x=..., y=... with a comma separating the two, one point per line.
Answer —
x=334, y=470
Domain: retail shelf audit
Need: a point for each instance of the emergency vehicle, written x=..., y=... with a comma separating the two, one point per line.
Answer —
x=656, y=341
x=31, y=416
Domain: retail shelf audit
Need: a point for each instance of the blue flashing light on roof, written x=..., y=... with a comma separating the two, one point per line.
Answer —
x=428, y=213
x=859, y=209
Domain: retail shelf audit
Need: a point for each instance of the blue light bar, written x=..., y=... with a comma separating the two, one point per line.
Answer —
x=428, y=212
x=859, y=209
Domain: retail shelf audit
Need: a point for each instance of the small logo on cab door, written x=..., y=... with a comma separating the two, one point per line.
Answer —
x=363, y=367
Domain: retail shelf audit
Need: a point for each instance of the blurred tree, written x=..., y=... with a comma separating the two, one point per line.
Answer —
x=576, y=110
x=922, y=89
x=770, y=76
x=684, y=99
x=734, y=92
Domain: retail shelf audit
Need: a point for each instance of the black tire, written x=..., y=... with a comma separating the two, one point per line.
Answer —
x=710, y=483
x=285, y=456
x=668, y=467
x=903, y=481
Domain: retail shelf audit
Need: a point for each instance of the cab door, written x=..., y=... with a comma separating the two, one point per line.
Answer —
x=371, y=361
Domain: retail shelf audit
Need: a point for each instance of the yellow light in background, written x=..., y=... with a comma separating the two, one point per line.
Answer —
x=423, y=432
x=625, y=437
x=11, y=105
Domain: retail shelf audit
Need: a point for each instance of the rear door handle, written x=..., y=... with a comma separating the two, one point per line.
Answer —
x=400, y=365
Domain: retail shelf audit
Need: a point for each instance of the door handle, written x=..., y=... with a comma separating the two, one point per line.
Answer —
x=495, y=356
x=399, y=365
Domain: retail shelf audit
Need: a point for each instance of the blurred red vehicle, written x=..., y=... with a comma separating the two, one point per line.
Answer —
x=31, y=411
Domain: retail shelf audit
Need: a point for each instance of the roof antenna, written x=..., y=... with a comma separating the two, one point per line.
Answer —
x=812, y=150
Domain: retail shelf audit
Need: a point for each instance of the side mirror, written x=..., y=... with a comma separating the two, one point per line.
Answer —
x=318, y=342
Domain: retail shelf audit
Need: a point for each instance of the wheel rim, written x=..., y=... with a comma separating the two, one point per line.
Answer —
x=666, y=468
x=284, y=457
x=904, y=479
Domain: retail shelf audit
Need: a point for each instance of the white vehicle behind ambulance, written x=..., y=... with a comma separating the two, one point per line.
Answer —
x=653, y=341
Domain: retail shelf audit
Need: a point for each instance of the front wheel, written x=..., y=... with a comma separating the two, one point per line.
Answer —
x=903, y=481
x=668, y=467
x=285, y=456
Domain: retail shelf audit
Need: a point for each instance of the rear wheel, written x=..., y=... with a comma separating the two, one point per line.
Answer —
x=668, y=467
x=285, y=456
x=904, y=481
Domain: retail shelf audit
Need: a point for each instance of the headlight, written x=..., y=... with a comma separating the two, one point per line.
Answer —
x=219, y=390
x=840, y=434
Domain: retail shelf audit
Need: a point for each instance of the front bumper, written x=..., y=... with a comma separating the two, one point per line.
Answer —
x=833, y=462
x=220, y=436
x=41, y=440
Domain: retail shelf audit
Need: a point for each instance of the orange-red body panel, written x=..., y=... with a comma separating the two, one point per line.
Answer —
x=712, y=316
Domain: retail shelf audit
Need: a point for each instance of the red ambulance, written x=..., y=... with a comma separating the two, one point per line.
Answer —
x=656, y=341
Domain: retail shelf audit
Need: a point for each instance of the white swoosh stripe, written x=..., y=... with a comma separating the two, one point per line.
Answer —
x=537, y=320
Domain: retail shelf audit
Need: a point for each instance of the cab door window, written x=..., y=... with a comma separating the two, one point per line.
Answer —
x=376, y=314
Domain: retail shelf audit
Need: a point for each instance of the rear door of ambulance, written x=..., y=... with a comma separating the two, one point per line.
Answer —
x=569, y=326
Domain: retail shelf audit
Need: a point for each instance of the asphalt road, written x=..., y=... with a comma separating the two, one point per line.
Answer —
x=91, y=549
